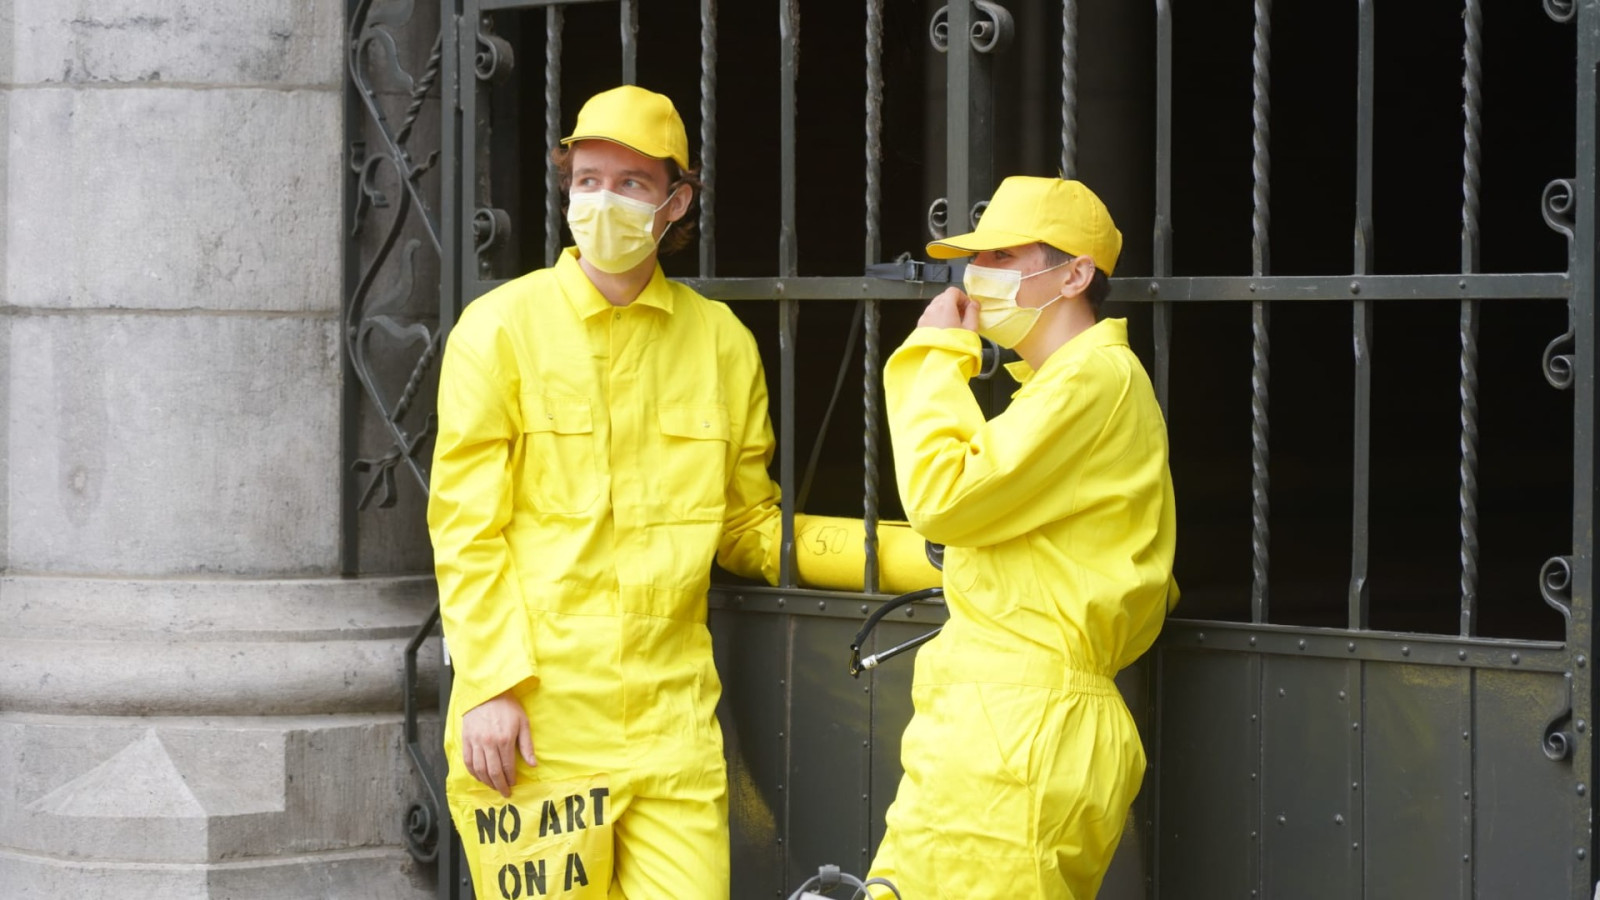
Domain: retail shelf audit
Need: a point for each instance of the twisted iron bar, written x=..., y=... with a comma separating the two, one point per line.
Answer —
x=1260, y=139
x=1261, y=346
x=872, y=361
x=553, y=18
x=1260, y=507
x=1472, y=129
x=419, y=95
x=708, y=138
x=1069, y=88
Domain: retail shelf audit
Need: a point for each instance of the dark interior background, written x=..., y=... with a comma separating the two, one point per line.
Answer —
x=1528, y=136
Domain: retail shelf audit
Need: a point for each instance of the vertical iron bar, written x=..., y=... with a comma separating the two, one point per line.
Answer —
x=1162, y=263
x=552, y=132
x=1069, y=88
x=1361, y=324
x=708, y=138
x=871, y=363
x=1260, y=347
x=1472, y=128
x=1581, y=265
x=788, y=265
x=628, y=13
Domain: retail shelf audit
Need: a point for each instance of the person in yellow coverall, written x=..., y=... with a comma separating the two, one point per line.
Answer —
x=1021, y=759
x=602, y=435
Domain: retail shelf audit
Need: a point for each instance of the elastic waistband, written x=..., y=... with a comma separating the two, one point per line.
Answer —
x=971, y=666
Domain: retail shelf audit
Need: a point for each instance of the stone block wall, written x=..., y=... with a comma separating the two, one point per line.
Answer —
x=193, y=703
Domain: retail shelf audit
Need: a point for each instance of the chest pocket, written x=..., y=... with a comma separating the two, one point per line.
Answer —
x=559, y=474
x=694, y=460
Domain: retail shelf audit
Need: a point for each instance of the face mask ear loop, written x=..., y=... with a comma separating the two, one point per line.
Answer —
x=670, y=222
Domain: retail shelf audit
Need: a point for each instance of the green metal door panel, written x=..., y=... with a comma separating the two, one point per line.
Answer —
x=1418, y=773
x=1206, y=806
x=752, y=660
x=1523, y=844
x=1310, y=751
x=828, y=762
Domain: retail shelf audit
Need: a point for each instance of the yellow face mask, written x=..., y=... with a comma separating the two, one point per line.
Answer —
x=1000, y=319
x=614, y=233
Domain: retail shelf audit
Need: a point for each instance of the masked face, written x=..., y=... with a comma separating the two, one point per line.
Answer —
x=1000, y=319
x=614, y=233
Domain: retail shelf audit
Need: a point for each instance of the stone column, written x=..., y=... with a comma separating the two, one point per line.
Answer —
x=192, y=702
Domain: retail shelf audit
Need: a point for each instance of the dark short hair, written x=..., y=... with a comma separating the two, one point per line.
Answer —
x=1099, y=286
x=681, y=234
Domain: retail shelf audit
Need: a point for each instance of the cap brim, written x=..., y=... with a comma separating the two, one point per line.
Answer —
x=977, y=242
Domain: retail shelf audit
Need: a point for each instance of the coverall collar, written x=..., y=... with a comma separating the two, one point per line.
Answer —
x=587, y=301
x=1104, y=333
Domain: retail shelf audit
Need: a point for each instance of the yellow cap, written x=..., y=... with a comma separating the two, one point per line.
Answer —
x=1026, y=210
x=643, y=121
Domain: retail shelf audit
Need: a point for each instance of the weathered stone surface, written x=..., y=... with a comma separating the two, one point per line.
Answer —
x=169, y=199
x=117, y=647
x=287, y=42
x=156, y=445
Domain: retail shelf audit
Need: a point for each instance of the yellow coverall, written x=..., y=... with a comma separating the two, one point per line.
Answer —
x=1021, y=759
x=590, y=460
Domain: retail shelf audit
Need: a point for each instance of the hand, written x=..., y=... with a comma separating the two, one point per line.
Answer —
x=491, y=734
x=951, y=309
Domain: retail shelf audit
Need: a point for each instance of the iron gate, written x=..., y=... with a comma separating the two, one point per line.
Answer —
x=1295, y=752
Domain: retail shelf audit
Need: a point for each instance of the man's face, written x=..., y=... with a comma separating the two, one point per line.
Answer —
x=1073, y=277
x=605, y=166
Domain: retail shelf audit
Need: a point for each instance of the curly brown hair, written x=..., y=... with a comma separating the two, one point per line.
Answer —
x=677, y=237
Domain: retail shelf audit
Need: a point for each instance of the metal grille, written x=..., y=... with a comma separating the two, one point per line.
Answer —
x=1288, y=760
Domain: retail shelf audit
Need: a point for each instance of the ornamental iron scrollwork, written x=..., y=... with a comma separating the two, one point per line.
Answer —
x=1559, y=740
x=939, y=218
x=1560, y=10
x=1555, y=585
x=495, y=59
x=991, y=31
x=977, y=213
x=1558, y=205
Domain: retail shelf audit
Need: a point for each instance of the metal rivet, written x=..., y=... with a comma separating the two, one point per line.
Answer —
x=1252, y=287
x=1581, y=789
x=1201, y=637
x=1252, y=776
x=782, y=682
x=780, y=735
x=822, y=604
x=864, y=743
x=1466, y=795
x=1516, y=658
x=1355, y=287
x=1354, y=726
x=1355, y=845
x=1581, y=659
x=1338, y=819
x=1462, y=284
x=1465, y=857
x=1283, y=820
x=1355, y=785
x=1582, y=853
x=1252, y=717
x=1302, y=645
x=1465, y=736
x=1405, y=651
x=780, y=787
x=1581, y=725
x=910, y=612
x=1341, y=695
x=1154, y=288
x=863, y=609
x=1282, y=692
x=1350, y=646
x=780, y=601
x=1253, y=836
x=1252, y=640
x=1461, y=654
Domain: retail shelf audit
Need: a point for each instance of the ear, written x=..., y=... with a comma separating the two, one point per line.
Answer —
x=1079, y=273
x=682, y=196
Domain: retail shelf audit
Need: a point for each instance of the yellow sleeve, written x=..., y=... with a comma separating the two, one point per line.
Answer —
x=469, y=505
x=752, y=525
x=968, y=482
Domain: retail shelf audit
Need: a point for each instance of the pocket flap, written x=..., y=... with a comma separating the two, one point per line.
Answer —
x=703, y=422
x=562, y=415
